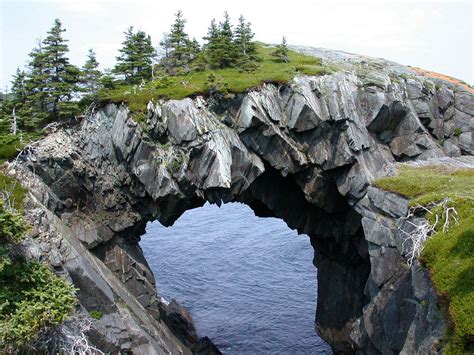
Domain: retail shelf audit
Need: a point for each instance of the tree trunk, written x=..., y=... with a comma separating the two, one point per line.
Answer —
x=14, y=126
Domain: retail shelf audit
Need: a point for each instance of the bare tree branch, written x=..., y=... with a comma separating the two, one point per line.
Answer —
x=422, y=231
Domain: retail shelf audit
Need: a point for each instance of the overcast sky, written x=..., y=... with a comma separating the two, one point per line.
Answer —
x=432, y=35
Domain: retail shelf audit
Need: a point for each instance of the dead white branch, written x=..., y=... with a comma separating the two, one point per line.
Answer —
x=421, y=231
x=69, y=338
x=14, y=125
x=75, y=340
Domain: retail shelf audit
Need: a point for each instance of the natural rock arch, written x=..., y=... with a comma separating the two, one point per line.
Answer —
x=305, y=153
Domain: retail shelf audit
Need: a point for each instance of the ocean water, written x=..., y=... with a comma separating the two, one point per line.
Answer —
x=248, y=282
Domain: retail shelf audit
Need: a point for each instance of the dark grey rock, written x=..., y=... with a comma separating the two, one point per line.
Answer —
x=306, y=152
x=388, y=203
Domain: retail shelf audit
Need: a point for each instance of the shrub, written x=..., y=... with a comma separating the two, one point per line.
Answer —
x=457, y=132
x=175, y=165
x=12, y=191
x=12, y=228
x=32, y=297
x=96, y=314
x=11, y=144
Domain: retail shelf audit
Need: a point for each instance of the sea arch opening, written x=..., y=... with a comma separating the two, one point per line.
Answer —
x=334, y=229
x=248, y=282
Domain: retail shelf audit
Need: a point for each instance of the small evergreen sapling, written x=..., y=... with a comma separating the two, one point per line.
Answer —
x=281, y=51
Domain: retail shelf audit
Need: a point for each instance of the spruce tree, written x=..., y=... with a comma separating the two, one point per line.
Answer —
x=226, y=47
x=180, y=55
x=36, y=88
x=210, y=47
x=245, y=47
x=107, y=80
x=18, y=89
x=281, y=51
x=16, y=105
x=136, y=57
x=91, y=75
x=62, y=77
x=195, y=48
x=220, y=49
x=4, y=114
x=12, y=106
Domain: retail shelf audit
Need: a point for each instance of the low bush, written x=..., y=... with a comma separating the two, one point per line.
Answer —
x=32, y=297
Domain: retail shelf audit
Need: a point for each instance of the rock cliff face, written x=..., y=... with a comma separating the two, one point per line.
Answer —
x=306, y=152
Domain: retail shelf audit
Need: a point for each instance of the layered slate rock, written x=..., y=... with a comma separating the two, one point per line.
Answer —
x=305, y=152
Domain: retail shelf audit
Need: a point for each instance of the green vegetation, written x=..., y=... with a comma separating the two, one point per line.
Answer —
x=91, y=77
x=176, y=164
x=10, y=144
x=457, y=132
x=234, y=80
x=96, y=314
x=228, y=62
x=13, y=188
x=448, y=255
x=32, y=296
x=136, y=57
x=179, y=50
x=44, y=93
x=281, y=51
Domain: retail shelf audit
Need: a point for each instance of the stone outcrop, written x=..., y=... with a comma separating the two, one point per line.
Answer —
x=305, y=152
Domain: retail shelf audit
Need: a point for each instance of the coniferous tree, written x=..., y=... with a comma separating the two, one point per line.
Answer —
x=281, y=51
x=221, y=50
x=246, y=48
x=4, y=113
x=107, y=80
x=136, y=57
x=195, y=48
x=16, y=105
x=226, y=46
x=179, y=50
x=12, y=105
x=211, y=45
x=91, y=75
x=18, y=89
x=36, y=87
x=62, y=77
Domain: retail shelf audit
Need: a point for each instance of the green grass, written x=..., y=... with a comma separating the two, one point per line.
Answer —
x=11, y=185
x=449, y=256
x=11, y=145
x=196, y=82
